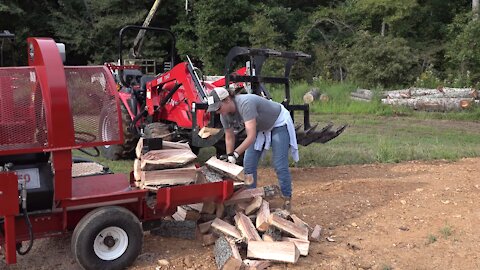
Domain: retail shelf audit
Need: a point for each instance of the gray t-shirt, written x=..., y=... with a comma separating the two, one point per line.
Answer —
x=250, y=106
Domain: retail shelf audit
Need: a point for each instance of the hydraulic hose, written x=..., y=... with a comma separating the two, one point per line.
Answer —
x=30, y=233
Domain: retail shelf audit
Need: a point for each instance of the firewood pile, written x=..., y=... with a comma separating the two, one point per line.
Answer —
x=440, y=99
x=249, y=231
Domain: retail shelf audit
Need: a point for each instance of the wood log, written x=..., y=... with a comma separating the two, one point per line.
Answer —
x=300, y=222
x=432, y=104
x=246, y=228
x=311, y=96
x=460, y=92
x=275, y=251
x=362, y=94
x=220, y=210
x=360, y=99
x=272, y=234
x=316, y=233
x=256, y=264
x=261, y=222
x=245, y=195
x=166, y=159
x=254, y=205
x=226, y=228
x=302, y=245
x=226, y=168
x=185, y=214
x=209, y=176
x=419, y=92
x=204, y=208
x=205, y=227
x=289, y=227
x=168, y=177
x=186, y=229
x=227, y=256
x=206, y=132
x=403, y=93
x=165, y=145
x=137, y=171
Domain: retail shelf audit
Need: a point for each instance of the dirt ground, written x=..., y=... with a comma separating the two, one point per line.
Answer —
x=413, y=215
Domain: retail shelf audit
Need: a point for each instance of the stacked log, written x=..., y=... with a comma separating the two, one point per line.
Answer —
x=362, y=95
x=441, y=99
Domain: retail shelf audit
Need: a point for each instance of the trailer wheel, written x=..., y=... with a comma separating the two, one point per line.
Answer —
x=107, y=125
x=107, y=238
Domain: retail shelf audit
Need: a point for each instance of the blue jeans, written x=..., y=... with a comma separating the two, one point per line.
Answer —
x=280, y=147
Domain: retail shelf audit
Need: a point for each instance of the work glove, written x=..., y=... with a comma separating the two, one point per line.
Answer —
x=232, y=157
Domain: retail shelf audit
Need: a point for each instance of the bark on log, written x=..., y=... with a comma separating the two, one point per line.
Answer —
x=225, y=168
x=432, y=104
x=403, y=93
x=311, y=96
x=227, y=255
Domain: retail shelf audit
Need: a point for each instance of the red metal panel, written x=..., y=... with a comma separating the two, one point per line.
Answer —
x=170, y=197
x=10, y=240
x=8, y=194
x=45, y=57
x=8, y=209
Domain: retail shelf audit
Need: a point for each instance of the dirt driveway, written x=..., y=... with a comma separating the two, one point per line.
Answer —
x=414, y=215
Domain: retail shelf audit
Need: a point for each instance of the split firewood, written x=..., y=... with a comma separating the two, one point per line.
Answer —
x=289, y=227
x=262, y=217
x=245, y=195
x=254, y=205
x=226, y=168
x=206, y=132
x=275, y=251
x=245, y=226
x=204, y=208
x=208, y=175
x=300, y=222
x=185, y=214
x=205, y=227
x=226, y=228
x=169, y=177
x=137, y=171
x=227, y=255
x=220, y=210
x=165, y=145
x=317, y=231
x=272, y=234
x=166, y=159
x=302, y=245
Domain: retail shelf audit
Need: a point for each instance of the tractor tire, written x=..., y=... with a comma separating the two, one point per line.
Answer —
x=130, y=140
x=108, y=237
x=157, y=130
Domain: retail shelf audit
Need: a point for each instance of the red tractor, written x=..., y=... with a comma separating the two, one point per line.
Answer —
x=173, y=104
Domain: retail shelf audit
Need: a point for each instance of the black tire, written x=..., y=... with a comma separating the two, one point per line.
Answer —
x=157, y=130
x=130, y=140
x=120, y=228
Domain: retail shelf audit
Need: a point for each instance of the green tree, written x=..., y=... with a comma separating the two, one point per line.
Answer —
x=380, y=61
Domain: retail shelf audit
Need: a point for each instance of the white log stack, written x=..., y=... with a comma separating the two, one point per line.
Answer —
x=442, y=99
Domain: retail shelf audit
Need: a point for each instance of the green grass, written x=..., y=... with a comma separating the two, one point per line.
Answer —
x=431, y=239
x=446, y=231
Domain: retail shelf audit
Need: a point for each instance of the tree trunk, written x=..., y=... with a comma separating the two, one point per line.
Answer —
x=475, y=9
x=362, y=95
x=432, y=104
x=403, y=93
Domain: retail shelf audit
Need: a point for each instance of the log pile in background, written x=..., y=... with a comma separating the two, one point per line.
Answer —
x=362, y=95
x=441, y=99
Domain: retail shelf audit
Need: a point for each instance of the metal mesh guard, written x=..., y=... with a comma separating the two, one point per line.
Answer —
x=22, y=117
x=93, y=105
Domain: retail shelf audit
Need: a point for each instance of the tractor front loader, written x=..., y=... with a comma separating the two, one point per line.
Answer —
x=172, y=105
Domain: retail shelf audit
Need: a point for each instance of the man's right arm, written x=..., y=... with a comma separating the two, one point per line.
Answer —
x=229, y=140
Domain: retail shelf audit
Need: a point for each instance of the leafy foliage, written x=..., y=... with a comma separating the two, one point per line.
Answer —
x=382, y=61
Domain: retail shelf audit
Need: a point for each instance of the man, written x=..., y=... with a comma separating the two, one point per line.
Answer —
x=267, y=123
